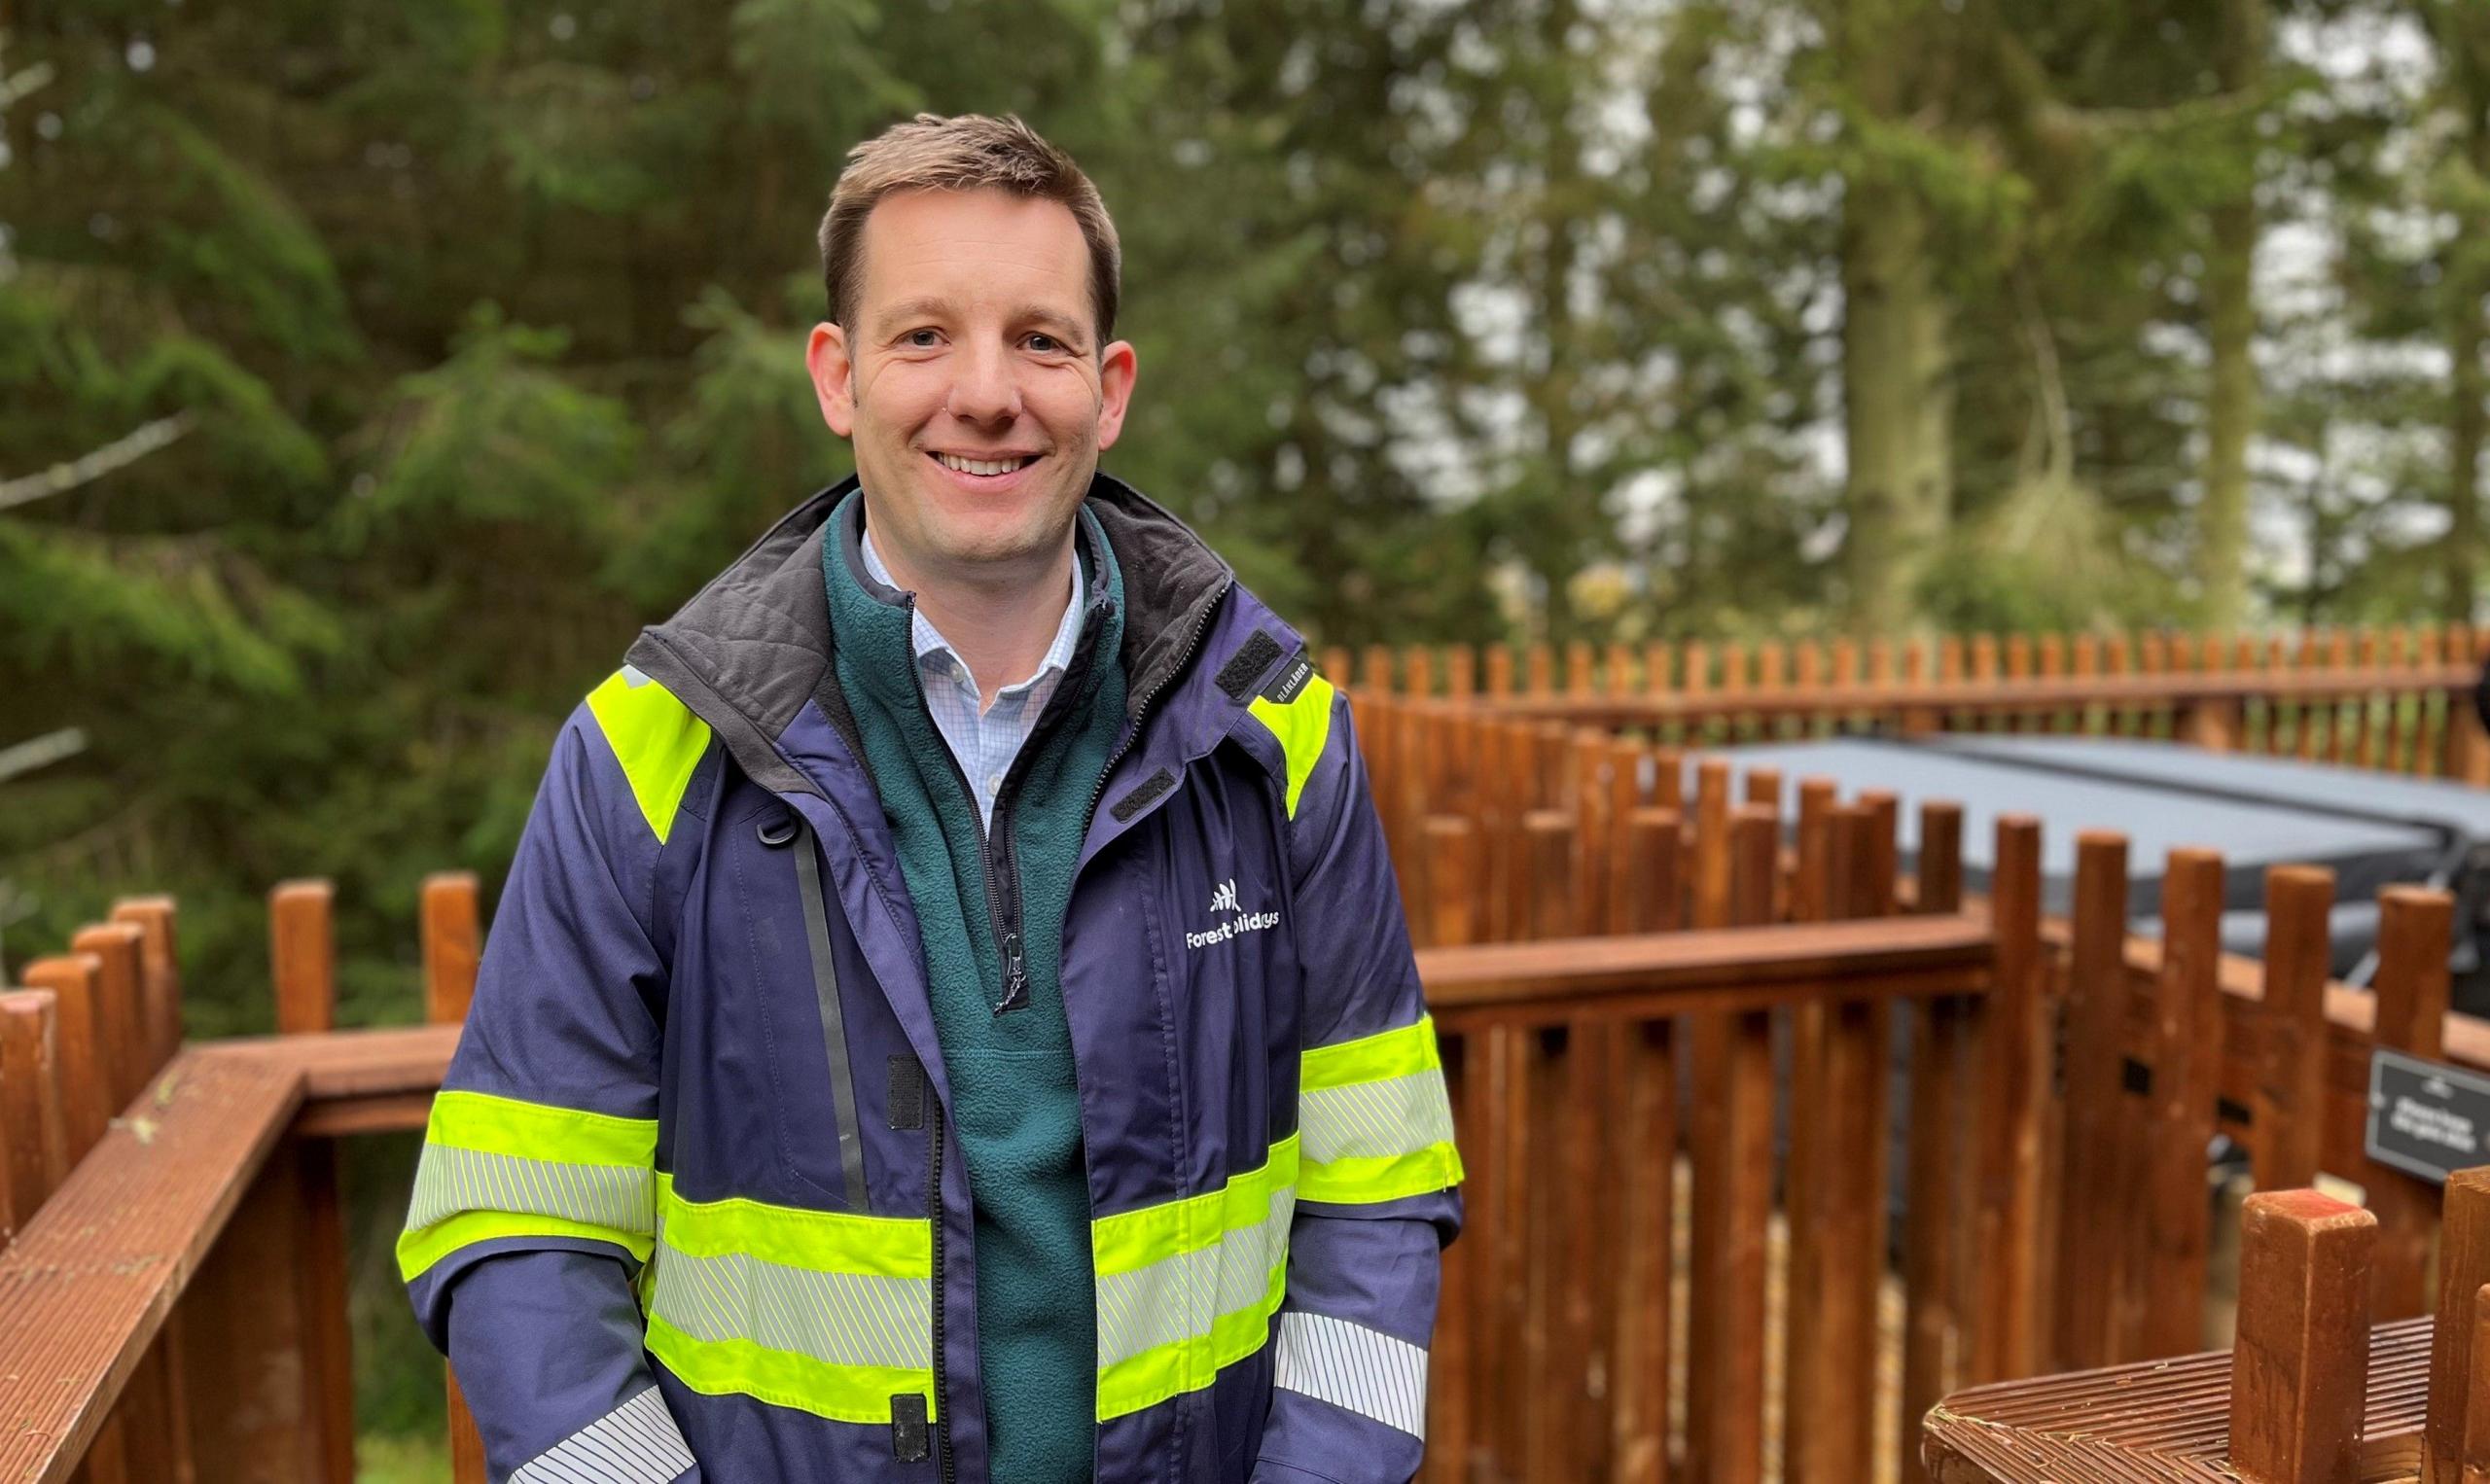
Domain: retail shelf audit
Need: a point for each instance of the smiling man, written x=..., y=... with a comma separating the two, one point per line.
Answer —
x=950, y=1016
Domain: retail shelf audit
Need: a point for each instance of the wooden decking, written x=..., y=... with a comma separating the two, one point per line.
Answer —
x=2159, y=1421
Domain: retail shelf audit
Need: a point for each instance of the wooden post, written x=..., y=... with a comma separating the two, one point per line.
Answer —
x=451, y=946
x=451, y=950
x=1712, y=843
x=2095, y=1317
x=1932, y=1258
x=2287, y=1116
x=33, y=1144
x=1811, y=887
x=2476, y=1401
x=1836, y=1217
x=87, y=1103
x=2299, y=1371
x=302, y=964
x=1651, y=870
x=119, y=1019
x=2185, y=1061
x=1452, y=880
x=2007, y=1150
x=1555, y=903
x=1732, y=1109
x=2464, y=1267
x=2414, y=932
x=1500, y=671
x=161, y=958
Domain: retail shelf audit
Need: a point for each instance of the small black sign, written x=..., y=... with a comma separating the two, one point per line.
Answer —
x=2427, y=1117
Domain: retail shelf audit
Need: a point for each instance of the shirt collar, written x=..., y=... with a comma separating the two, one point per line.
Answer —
x=931, y=648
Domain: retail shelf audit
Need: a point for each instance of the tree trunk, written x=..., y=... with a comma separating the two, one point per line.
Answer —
x=2230, y=313
x=1897, y=350
x=1898, y=403
x=2465, y=336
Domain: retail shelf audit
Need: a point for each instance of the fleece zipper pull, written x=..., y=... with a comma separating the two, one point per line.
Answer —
x=1015, y=976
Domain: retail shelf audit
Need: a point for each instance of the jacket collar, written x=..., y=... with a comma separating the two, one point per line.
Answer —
x=751, y=648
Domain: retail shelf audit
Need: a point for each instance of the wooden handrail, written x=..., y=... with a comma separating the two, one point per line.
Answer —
x=2001, y=693
x=88, y=1281
x=1737, y=969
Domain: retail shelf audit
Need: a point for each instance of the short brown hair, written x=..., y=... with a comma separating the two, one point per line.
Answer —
x=967, y=151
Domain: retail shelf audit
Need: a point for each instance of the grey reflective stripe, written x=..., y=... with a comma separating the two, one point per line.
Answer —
x=1179, y=1298
x=839, y=1318
x=834, y=1030
x=450, y=1180
x=1369, y=1372
x=635, y=1443
x=1398, y=1115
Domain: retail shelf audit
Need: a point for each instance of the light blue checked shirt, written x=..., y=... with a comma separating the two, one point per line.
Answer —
x=983, y=741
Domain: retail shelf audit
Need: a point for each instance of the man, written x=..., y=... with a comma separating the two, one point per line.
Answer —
x=950, y=1016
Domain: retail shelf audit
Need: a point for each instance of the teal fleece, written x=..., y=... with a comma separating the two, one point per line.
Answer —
x=1015, y=1105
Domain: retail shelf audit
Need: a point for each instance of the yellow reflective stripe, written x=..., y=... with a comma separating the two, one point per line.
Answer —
x=719, y=1367
x=656, y=738
x=1376, y=1121
x=797, y=1308
x=497, y=1125
x=1189, y=1286
x=1188, y=1365
x=501, y=1167
x=1302, y=727
x=1132, y=1240
x=419, y=1250
x=1360, y=1179
x=1371, y=1059
x=822, y=1241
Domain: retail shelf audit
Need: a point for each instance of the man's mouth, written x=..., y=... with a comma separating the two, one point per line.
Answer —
x=988, y=467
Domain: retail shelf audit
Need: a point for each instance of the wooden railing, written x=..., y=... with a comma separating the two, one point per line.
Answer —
x=2394, y=698
x=1676, y=1094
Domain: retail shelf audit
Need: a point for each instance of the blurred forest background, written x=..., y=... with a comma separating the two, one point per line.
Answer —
x=368, y=370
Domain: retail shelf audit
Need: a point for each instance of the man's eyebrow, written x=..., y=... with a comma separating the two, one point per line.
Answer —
x=917, y=308
x=1045, y=314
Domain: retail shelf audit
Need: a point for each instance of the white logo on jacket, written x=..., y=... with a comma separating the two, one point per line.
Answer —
x=1223, y=898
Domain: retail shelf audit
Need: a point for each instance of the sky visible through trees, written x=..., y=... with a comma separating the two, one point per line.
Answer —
x=368, y=371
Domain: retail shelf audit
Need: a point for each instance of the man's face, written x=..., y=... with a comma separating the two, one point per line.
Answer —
x=970, y=382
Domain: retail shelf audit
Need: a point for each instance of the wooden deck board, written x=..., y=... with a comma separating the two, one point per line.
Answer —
x=2161, y=1422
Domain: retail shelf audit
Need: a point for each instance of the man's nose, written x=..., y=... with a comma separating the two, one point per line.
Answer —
x=984, y=389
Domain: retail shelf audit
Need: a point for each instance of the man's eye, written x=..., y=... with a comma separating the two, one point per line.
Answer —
x=922, y=340
x=1047, y=345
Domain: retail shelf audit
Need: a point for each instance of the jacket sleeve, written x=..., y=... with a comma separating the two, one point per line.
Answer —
x=1377, y=1168
x=536, y=1196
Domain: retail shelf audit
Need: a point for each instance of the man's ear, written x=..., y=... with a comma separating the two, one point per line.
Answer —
x=833, y=378
x=1117, y=369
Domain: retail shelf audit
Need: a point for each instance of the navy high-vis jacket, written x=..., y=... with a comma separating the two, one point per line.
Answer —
x=689, y=1205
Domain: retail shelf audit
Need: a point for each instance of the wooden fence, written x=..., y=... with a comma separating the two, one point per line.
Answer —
x=1694, y=1149
x=2394, y=698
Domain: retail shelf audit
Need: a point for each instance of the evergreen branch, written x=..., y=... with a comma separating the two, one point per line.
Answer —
x=121, y=453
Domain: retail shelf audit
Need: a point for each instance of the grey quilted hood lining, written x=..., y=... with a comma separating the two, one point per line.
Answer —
x=753, y=646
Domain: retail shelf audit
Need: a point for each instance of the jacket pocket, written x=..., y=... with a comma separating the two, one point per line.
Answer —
x=788, y=837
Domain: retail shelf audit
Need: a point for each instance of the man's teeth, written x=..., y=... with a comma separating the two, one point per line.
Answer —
x=978, y=466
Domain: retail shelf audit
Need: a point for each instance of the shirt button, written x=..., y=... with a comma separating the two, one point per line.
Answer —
x=993, y=783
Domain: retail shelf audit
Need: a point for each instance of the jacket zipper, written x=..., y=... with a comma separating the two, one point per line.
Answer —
x=934, y=1201
x=994, y=851
x=1008, y=945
